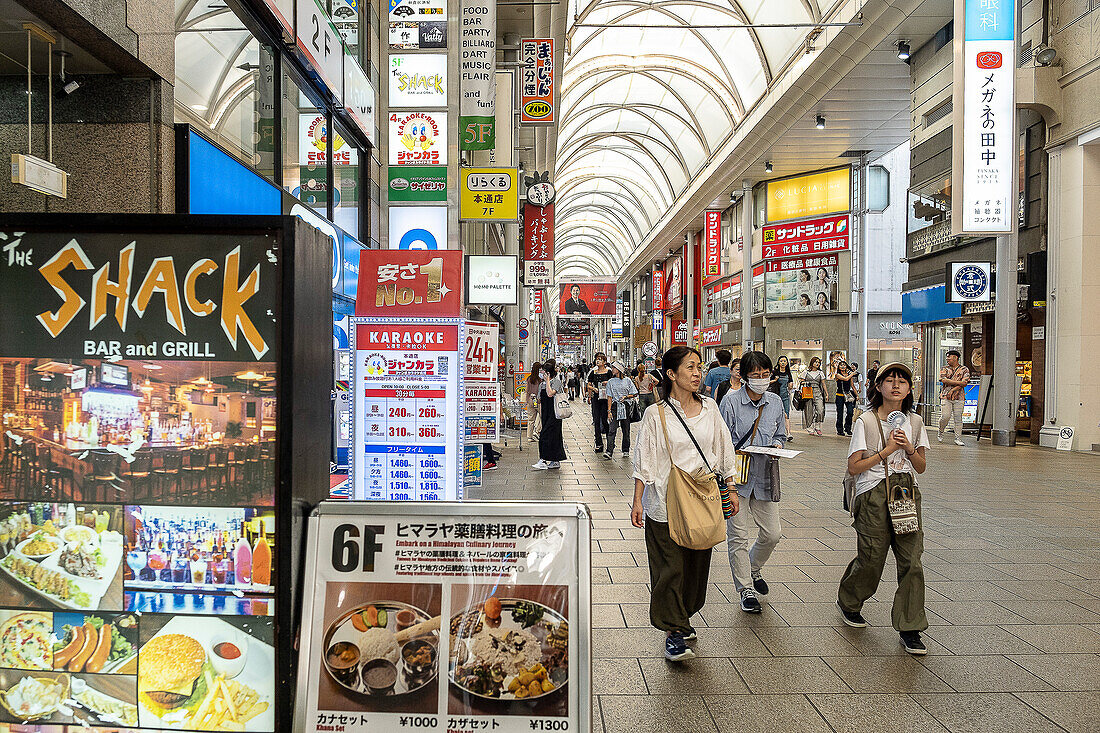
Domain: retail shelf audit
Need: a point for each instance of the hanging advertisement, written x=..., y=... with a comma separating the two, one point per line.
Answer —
x=574, y=327
x=473, y=466
x=657, y=289
x=811, y=237
x=492, y=280
x=538, y=82
x=418, y=183
x=710, y=336
x=802, y=284
x=969, y=282
x=814, y=194
x=538, y=246
x=586, y=299
x=488, y=194
x=679, y=332
x=417, y=10
x=418, y=227
x=397, y=283
x=418, y=80
x=418, y=138
x=422, y=34
x=674, y=283
x=481, y=351
x=984, y=118
x=408, y=425
x=482, y=401
x=477, y=107
x=713, y=248
x=438, y=589
x=617, y=321
x=536, y=302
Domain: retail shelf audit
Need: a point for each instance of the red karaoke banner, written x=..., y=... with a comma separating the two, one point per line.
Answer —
x=375, y=336
x=400, y=283
x=586, y=299
x=713, y=238
x=813, y=236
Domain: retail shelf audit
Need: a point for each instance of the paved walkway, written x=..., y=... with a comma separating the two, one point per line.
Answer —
x=1012, y=556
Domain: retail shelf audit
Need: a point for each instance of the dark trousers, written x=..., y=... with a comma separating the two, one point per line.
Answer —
x=844, y=411
x=678, y=578
x=874, y=538
x=614, y=426
x=490, y=454
x=599, y=419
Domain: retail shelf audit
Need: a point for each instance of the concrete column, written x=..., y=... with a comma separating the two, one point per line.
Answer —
x=746, y=263
x=1004, y=344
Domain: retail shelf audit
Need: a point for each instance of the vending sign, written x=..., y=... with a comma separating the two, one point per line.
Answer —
x=713, y=238
x=538, y=245
x=404, y=283
x=418, y=138
x=444, y=589
x=538, y=82
x=408, y=425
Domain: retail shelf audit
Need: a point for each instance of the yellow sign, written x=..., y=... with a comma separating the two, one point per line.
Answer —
x=489, y=194
x=827, y=192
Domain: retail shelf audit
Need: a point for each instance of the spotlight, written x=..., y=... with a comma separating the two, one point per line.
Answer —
x=821, y=122
x=903, y=50
x=767, y=166
x=1045, y=56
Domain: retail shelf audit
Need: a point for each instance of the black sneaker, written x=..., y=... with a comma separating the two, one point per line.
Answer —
x=599, y=448
x=852, y=618
x=760, y=584
x=675, y=648
x=607, y=455
x=626, y=453
x=749, y=602
x=912, y=643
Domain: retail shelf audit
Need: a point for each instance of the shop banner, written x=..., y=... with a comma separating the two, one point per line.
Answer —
x=617, y=321
x=802, y=284
x=679, y=332
x=449, y=617
x=566, y=340
x=472, y=465
x=404, y=283
x=538, y=245
x=574, y=326
x=482, y=408
x=418, y=80
x=418, y=183
x=674, y=283
x=586, y=299
x=408, y=430
x=658, y=320
x=418, y=24
x=536, y=302
x=417, y=227
x=477, y=108
x=492, y=280
x=418, y=138
x=538, y=82
x=711, y=336
x=657, y=289
x=481, y=351
x=984, y=118
x=811, y=237
x=713, y=239
x=482, y=402
x=488, y=194
x=814, y=194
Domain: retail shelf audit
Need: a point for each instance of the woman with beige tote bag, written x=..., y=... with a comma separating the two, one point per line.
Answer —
x=678, y=575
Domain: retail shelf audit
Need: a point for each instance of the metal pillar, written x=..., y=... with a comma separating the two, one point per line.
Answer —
x=861, y=346
x=746, y=263
x=1004, y=343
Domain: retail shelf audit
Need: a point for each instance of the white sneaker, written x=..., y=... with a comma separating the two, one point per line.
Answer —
x=541, y=465
x=554, y=464
x=939, y=438
x=959, y=442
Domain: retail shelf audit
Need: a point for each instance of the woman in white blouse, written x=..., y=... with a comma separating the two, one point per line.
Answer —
x=678, y=576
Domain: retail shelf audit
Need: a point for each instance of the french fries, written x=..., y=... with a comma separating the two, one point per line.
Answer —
x=228, y=705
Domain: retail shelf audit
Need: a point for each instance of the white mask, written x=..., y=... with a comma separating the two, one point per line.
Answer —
x=759, y=385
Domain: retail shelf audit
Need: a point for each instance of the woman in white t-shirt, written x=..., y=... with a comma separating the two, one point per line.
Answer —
x=889, y=435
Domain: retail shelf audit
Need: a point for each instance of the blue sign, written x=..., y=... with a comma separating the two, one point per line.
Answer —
x=971, y=282
x=471, y=465
x=990, y=20
x=523, y=334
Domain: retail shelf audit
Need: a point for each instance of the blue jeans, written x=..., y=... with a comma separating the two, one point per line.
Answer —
x=844, y=410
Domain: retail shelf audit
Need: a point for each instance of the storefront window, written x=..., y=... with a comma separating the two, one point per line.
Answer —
x=799, y=353
x=225, y=83
x=347, y=178
x=305, y=147
x=929, y=204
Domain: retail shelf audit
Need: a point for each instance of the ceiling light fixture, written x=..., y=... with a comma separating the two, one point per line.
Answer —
x=903, y=50
x=767, y=166
x=821, y=122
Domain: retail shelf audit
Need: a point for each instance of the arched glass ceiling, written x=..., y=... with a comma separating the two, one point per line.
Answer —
x=644, y=109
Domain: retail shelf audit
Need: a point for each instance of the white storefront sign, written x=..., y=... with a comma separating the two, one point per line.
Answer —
x=478, y=59
x=418, y=227
x=970, y=282
x=418, y=80
x=418, y=138
x=492, y=279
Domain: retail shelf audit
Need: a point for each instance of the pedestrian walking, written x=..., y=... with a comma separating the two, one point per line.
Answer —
x=718, y=374
x=754, y=416
x=888, y=439
x=954, y=377
x=845, y=398
x=621, y=392
x=574, y=383
x=782, y=384
x=645, y=382
x=730, y=385
x=678, y=576
x=814, y=406
x=872, y=373
x=596, y=394
x=551, y=442
x=534, y=411
x=489, y=457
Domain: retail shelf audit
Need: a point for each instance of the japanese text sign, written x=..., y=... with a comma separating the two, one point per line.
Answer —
x=657, y=288
x=403, y=283
x=813, y=236
x=418, y=138
x=538, y=82
x=481, y=351
x=710, y=336
x=713, y=238
x=489, y=194
x=538, y=245
x=536, y=301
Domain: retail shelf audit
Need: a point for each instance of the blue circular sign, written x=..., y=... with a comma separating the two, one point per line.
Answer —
x=523, y=333
x=418, y=239
x=971, y=282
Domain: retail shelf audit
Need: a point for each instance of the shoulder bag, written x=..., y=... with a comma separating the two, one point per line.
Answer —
x=696, y=518
x=745, y=459
x=899, y=497
x=562, y=408
x=850, y=480
x=634, y=410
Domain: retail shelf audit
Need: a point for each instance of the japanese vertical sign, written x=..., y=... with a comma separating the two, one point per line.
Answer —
x=985, y=136
x=538, y=82
x=482, y=401
x=658, y=289
x=538, y=246
x=536, y=301
x=477, y=108
x=713, y=239
x=495, y=594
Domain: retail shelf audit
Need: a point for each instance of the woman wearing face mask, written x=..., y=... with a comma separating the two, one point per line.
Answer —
x=755, y=417
x=551, y=443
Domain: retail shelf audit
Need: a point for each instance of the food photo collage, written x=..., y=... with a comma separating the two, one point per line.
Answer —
x=497, y=649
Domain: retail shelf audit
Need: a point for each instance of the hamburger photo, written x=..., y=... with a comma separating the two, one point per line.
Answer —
x=170, y=676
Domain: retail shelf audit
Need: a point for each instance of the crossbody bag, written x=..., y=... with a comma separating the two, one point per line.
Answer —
x=727, y=496
x=696, y=519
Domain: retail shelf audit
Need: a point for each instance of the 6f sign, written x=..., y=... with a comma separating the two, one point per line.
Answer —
x=346, y=548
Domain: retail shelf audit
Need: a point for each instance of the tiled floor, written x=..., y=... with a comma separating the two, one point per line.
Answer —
x=1012, y=557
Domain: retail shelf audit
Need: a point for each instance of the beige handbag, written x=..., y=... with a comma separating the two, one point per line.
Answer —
x=900, y=503
x=695, y=518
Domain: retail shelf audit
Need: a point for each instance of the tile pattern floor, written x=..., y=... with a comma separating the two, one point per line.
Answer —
x=1012, y=557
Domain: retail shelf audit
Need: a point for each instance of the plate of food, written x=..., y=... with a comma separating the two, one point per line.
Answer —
x=35, y=698
x=106, y=709
x=383, y=648
x=25, y=641
x=509, y=649
x=94, y=644
x=74, y=575
x=183, y=684
x=38, y=547
x=78, y=533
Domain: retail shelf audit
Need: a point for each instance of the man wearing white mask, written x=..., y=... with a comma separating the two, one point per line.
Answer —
x=754, y=416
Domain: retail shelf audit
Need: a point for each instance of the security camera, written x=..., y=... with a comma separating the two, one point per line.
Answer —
x=71, y=87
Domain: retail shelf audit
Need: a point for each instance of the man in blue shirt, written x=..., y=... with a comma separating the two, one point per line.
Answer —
x=718, y=374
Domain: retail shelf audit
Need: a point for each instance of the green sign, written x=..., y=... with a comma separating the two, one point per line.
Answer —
x=478, y=132
x=418, y=183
